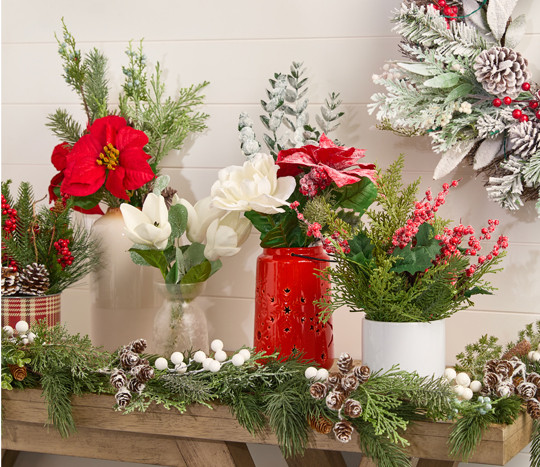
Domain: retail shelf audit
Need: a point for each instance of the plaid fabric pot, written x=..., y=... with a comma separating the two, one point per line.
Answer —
x=31, y=309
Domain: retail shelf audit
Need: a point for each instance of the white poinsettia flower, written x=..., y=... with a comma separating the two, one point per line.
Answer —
x=151, y=225
x=225, y=235
x=252, y=186
x=199, y=217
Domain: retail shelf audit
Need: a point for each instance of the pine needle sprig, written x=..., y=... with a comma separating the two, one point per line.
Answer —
x=535, y=444
x=64, y=126
x=467, y=433
x=96, y=84
x=379, y=448
x=475, y=356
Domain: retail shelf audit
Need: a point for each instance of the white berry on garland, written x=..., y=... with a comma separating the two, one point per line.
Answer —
x=9, y=331
x=161, y=364
x=238, y=359
x=177, y=358
x=216, y=345
x=311, y=372
x=199, y=356
x=22, y=327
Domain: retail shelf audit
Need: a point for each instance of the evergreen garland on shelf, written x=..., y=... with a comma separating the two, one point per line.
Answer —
x=462, y=83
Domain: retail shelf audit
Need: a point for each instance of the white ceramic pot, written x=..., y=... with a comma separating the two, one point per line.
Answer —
x=419, y=347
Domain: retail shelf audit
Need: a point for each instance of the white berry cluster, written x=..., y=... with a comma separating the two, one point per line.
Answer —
x=463, y=387
x=315, y=374
x=212, y=364
x=534, y=355
x=19, y=333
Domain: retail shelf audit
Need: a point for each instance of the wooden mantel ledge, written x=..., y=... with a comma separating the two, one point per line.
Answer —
x=206, y=437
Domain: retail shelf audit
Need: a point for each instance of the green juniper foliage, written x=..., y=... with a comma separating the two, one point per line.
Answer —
x=475, y=356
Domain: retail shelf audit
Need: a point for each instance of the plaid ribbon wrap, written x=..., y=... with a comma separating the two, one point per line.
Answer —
x=31, y=309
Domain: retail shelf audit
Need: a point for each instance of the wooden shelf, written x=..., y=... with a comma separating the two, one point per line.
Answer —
x=210, y=437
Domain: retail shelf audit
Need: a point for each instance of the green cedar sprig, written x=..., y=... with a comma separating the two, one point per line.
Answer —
x=475, y=356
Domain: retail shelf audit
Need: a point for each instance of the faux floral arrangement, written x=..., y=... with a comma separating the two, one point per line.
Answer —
x=43, y=251
x=114, y=157
x=405, y=264
x=157, y=233
x=464, y=85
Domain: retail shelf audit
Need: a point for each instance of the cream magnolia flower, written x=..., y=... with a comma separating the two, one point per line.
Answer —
x=252, y=186
x=200, y=217
x=151, y=225
x=225, y=235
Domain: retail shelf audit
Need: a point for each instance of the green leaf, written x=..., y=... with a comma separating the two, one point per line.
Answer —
x=161, y=183
x=446, y=80
x=198, y=273
x=459, y=91
x=357, y=196
x=87, y=202
x=178, y=217
x=154, y=258
x=419, y=258
x=361, y=249
x=278, y=230
x=419, y=68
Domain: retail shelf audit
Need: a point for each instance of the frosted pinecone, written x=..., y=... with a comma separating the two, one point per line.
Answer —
x=10, y=281
x=334, y=400
x=129, y=359
x=34, y=279
x=122, y=397
x=349, y=382
x=143, y=373
x=318, y=390
x=137, y=346
x=525, y=138
x=118, y=379
x=533, y=409
x=362, y=373
x=534, y=378
x=134, y=385
x=501, y=71
x=526, y=390
x=352, y=408
x=344, y=362
x=343, y=431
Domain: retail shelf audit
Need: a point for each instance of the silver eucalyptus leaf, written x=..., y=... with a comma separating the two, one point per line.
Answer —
x=487, y=151
x=498, y=13
x=515, y=32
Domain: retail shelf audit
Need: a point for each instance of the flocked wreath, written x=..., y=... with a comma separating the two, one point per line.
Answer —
x=464, y=84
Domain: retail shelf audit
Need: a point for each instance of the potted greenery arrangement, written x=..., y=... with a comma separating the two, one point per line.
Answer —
x=43, y=253
x=408, y=271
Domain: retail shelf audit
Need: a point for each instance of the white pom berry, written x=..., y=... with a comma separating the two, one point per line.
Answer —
x=199, y=356
x=216, y=345
x=530, y=355
x=245, y=353
x=207, y=362
x=475, y=386
x=467, y=394
x=161, y=363
x=458, y=389
x=8, y=330
x=450, y=374
x=31, y=336
x=25, y=341
x=22, y=327
x=322, y=374
x=181, y=368
x=214, y=366
x=311, y=372
x=238, y=360
x=220, y=356
x=463, y=379
x=535, y=356
x=177, y=358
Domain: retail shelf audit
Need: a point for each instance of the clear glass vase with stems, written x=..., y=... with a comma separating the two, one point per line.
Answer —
x=180, y=324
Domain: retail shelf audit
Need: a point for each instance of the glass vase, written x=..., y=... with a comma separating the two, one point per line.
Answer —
x=180, y=324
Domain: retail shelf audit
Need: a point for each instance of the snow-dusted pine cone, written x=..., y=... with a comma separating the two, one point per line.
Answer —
x=526, y=390
x=118, y=379
x=10, y=281
x=34, y=279
x=362, y=373
x=129, y=359
x=334, y=400
x=525, y=138
x=122, y=397
x=491, y=380
x=350, y=382
x=143, y=373
x=343, y=431
x=344, y=362
x=134, y=385
x=505, y=389
x=352, y=408
x=318, y=390
x=534, y=378
x=533, y=409
x=491, y=366
x=137, y=346
x=501, y=71
x=334, y=378
x=320, y=424
x=504, y=368
x=519, y=350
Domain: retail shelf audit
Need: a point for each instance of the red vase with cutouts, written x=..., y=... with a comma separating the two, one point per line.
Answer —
x=286, y=319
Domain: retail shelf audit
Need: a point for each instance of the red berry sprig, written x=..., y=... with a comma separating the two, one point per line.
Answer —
x=449, y=12
x=62, y=248
x=526, y=112
x=10, y=224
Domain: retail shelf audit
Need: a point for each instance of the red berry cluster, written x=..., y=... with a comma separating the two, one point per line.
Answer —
x=62, y=248
x=317, y=179
x=450, y=12
x=520, y=114
x=424, y=212
x=8, y=260
x=331, y=244
x=10, y=224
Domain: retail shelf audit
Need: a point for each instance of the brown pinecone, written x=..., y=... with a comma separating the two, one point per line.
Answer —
x=118, y=379
x=504, y=368
x=134, y=385
x=129, y=359
x=505, y=389
x=10, y=281
x=334, y=378
x=350, y=382
x=343, y=431
x=501, y=71
x=526, y=390
x=491, y=380
x=143, y=373
x=491, y=366
x=34, y=279
x=525, y=141
x=334, y=400
x=534, y=378
x=123, y=398
x=137, y=346
x=318, y=390
x=344, y=362
x=533, y=408
x=362, y=373
x=521, y=349
x=352, y=408
x=320, y=424
x=168, y=193
x=18, y=372
x=517, y=380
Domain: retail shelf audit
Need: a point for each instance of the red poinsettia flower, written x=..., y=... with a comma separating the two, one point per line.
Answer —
x=59, y=160
x=325, y=164
x=111, y=154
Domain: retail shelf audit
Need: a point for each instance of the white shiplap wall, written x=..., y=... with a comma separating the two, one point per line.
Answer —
x=237, y=45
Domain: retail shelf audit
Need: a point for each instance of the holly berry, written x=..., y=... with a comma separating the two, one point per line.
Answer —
x=442, y=3
x=533, y=104
x=537, y=114
x=507, y=100
x=497, y=102
x=526, y=86
x=524, y=118
x=517, y=113
x=66, y=258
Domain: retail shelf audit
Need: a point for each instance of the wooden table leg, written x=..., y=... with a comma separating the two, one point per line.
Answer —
x=9, y=457
x=202, y=453
x=317, y=458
